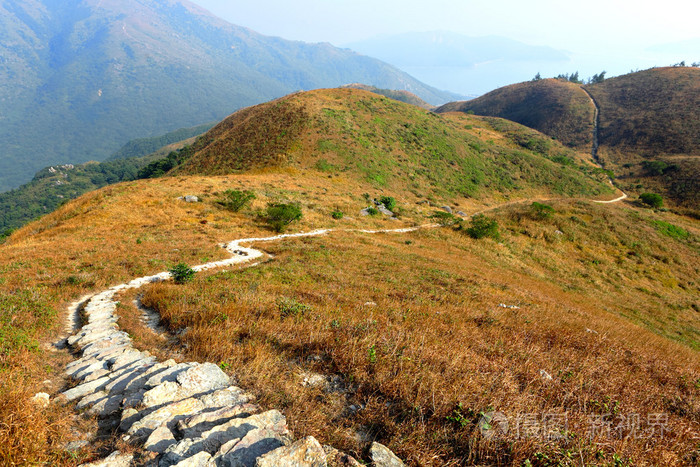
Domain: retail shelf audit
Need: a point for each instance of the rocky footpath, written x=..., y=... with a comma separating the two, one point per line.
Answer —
x=182, y=414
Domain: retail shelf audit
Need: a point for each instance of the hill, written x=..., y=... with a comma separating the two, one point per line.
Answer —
x=652, y=112
x=55, y=185
x=572, y=310
x=355, y=134
x=646, y=116
x=79, y=80
x=557, y=108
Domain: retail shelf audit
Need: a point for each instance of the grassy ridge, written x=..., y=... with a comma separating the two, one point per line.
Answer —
x=402, y=96
x=391, y=146
x=557, y=108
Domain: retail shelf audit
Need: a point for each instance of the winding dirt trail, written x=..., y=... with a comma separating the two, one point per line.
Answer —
x=184, y=414
x=596, y=124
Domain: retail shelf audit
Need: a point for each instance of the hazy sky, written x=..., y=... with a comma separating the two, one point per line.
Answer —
x=610, y=35
x=581, y=26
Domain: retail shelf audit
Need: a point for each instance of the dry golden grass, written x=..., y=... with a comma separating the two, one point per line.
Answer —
x=111, y=236
x=436, y=350
x=436, y=337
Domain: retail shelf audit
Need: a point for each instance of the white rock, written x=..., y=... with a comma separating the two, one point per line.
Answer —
x=40, y=399
x=383, y=457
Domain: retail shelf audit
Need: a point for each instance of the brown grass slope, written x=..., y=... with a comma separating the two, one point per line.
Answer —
x=393, y=146
x=653, y=115
x=433, y=353
x=652, y=112
x=557, y=108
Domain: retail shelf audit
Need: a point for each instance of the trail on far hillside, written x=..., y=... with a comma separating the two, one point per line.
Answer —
x=596, y=123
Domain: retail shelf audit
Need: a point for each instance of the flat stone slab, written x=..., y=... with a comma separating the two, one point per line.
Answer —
x=305, y=452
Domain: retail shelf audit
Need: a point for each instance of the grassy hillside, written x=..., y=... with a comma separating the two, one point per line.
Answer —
x=77, y=83
x=650, y=131
x=557, y=108
x=392, y=146
x=408, y=325
x=572, y=311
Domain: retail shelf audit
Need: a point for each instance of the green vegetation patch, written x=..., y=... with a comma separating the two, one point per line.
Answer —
x=671, y=230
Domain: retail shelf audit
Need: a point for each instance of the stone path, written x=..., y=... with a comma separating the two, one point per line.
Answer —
x=186, y=414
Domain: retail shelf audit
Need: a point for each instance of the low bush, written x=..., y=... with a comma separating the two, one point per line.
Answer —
x=280, y=215
x=539, y=211
x=337, y=214
x=290, y=307
x=652, y=199
x=182, y=273
x=446, y=219
x=671, y=230
x=388, y=201
x=372, y=211
x=235, y=200
x=482, y=226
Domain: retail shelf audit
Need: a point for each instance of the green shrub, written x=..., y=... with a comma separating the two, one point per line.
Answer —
x=235, y=200
x=290, y=307
x=541, y=211
x=482, y=226
x=324, y=166
x=182, y=273
x=445, y=219
x=372, y=211
x=337, y=214
x=388, y=202
x=280, y=215
x=652, y=199
x=657, y=167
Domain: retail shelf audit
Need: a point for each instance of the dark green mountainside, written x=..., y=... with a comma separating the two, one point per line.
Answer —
x=80, y=78
x=53, y=186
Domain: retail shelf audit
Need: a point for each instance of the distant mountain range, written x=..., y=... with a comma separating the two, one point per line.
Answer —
x=80, y=78
x=470, y=65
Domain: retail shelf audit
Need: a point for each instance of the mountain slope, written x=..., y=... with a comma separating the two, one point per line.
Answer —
x=652, y=112
x=651, y=115
x=78, y=81
x=53, y=186
x=557, y=108
x=391, y=145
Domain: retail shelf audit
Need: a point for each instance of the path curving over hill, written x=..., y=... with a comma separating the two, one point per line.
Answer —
x=185, y=413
